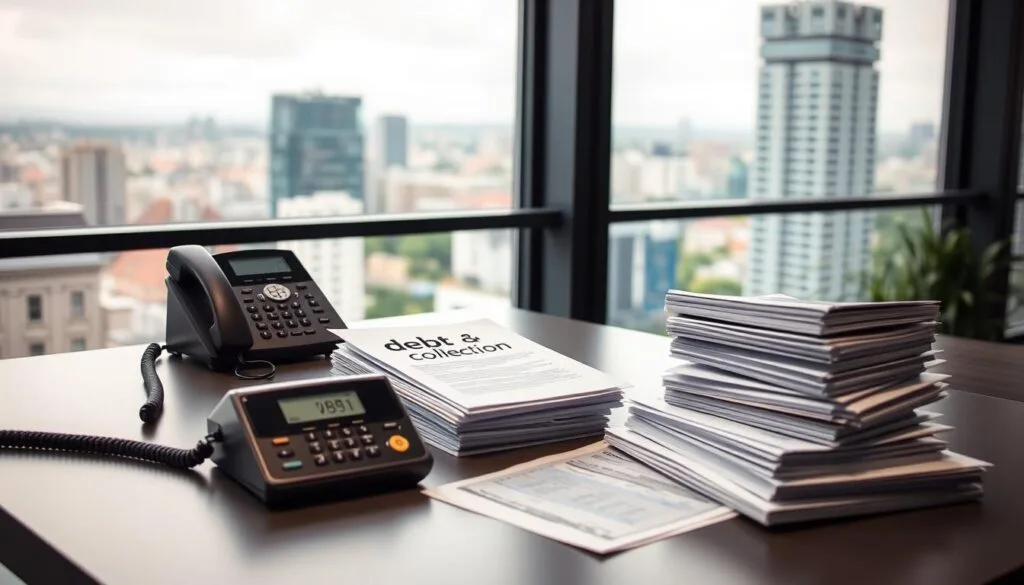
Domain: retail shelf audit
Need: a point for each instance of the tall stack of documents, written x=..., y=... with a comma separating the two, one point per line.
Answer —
x=789, y=410
x=476, y=387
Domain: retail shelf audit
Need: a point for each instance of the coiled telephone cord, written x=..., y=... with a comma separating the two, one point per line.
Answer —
x=172, y=456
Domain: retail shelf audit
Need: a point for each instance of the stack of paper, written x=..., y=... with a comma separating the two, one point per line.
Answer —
x=790, y=411
x=475, y=387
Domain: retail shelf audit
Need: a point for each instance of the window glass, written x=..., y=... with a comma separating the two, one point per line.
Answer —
x=153, y=112
x=802, y=99
x=361, y=278
x=718, y=255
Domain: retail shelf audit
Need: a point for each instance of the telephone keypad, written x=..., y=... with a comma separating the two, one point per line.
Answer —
x=268, y=308
x=305, y=322
x=256, y=317
x=251, y=308
x=300, y=313
x=296, y=304
x=273, y=316
x=286, y=309
x=282, y=306
x=286, y=314
x=262, y=326
x=282, y=334
x=265, y=334
x=277, y=325
x=291, y=324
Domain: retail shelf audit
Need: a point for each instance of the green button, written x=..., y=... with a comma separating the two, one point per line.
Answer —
x=290, y=465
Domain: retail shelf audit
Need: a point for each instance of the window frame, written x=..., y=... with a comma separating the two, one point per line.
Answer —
x=562, y=161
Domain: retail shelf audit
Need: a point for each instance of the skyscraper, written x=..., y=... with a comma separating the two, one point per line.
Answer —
x=815, y=139
x=93, y=175
x=316, y=144
x=392, y=141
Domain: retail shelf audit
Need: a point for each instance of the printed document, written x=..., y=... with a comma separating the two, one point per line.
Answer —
x=594, y=498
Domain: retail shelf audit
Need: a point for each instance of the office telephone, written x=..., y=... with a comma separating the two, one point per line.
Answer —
x=288, y=442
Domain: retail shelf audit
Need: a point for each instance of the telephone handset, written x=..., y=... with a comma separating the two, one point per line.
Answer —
x=238, y=310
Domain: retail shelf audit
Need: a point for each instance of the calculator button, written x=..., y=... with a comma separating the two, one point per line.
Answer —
x=286, y=315
x=390, y=426
x=311, y=437
x=355, y=454
x=282, y=334
x=262, y=326
x=265, y=334
x=285, y=453
x=278, y=325
x=291, y=324
x=256, y=317
x=305, y=322
x=363, y=429
x=320, y=460
x=346, y=432
x=373, y=451
x=350, y=442
x=278, y=441
x=292, y=465
x=398, y=443
x=318, y=311
x=300, y=313
x=325, y=319
x=315, y=448
x=367, y=439
x=334, y=444
x=310, y=332
x=338, y=456
x=251, y=308
x=330, y=434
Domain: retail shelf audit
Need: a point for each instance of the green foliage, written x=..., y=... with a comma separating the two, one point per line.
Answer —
x=389, y=302
x=923, y=263
x=716, y=285
x=430, y=255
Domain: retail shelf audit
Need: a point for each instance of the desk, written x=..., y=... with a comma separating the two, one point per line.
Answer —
x=73, y=519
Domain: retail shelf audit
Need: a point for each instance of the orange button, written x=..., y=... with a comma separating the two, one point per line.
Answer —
x=398, y=443
x=281, y=441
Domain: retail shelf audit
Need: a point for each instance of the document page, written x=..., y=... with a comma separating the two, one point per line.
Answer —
x=594, y=498
x=478, y=363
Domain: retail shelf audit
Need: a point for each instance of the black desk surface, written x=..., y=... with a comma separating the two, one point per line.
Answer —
x=73, y=519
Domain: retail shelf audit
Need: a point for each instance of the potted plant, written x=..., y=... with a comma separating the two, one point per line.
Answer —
x=925, y=263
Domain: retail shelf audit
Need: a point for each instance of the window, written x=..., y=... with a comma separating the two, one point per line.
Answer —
x=35, y=308
x=77, y=304
x=362, y=278
x=726, y=255
x=423, y=108
x=662, y=84
x=37, y=348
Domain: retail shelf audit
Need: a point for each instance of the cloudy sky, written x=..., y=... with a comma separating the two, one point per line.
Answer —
x=436, y=60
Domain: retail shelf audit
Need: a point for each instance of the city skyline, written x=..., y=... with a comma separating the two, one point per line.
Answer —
x=460, y=68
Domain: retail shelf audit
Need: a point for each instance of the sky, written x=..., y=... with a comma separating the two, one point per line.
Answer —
x=439, y=61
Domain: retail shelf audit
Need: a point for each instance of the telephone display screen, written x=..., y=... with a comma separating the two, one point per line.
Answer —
x=321, y=406
x=259, y=265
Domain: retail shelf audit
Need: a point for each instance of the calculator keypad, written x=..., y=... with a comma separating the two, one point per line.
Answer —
x=335, y=447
